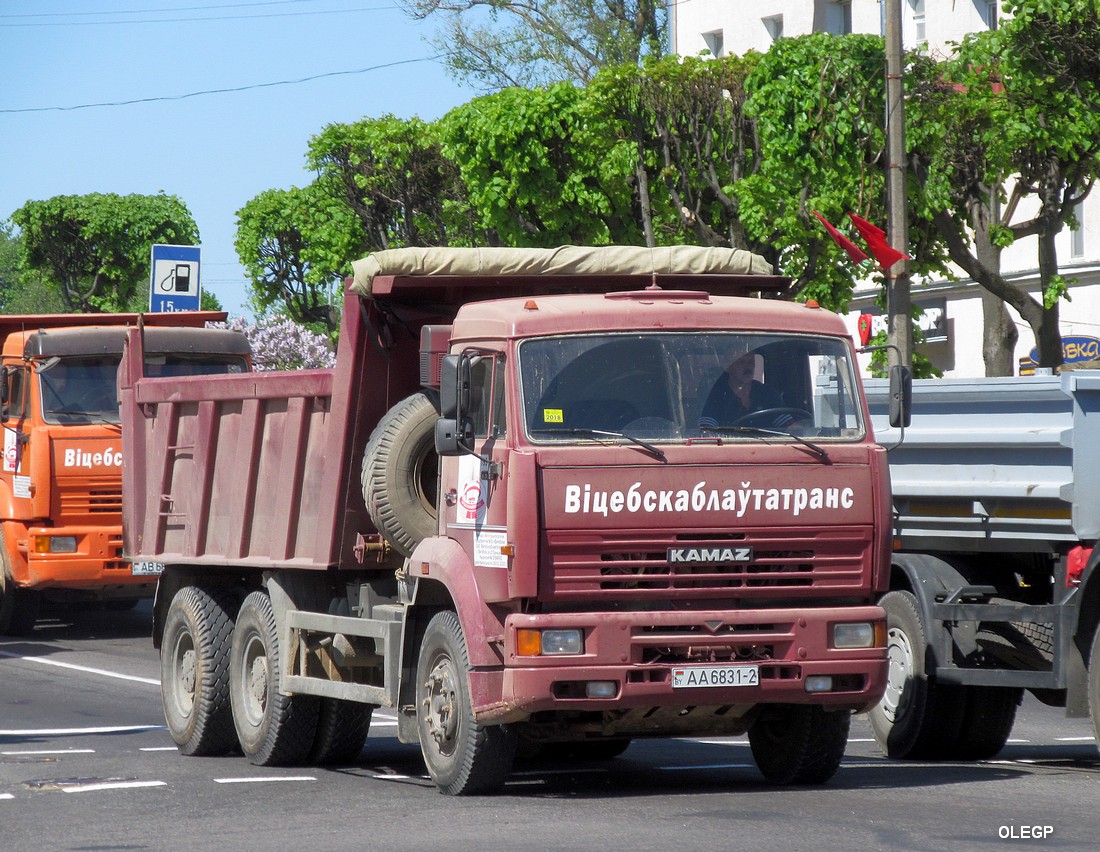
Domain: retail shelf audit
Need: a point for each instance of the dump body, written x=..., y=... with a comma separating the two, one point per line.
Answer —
x=680, y=568
x=60, y=486
x=996, y=518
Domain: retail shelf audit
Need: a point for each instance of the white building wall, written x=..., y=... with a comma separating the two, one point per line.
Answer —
x=742, y=26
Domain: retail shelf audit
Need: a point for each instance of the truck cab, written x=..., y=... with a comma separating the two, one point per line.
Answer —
x=60, y=482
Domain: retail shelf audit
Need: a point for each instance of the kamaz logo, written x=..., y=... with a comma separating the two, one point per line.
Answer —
x=708, y=555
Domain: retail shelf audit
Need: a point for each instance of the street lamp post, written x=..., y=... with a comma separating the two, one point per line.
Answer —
x=900, y=327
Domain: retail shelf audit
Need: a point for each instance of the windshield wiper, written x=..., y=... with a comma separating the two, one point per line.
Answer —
x=603, y=433
x=756, y=430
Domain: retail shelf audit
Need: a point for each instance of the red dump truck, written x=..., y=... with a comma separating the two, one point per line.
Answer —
x=61, y=478
x=504, y=516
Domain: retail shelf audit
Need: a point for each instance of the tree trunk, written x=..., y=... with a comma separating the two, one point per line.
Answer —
x=1048, y=336
x=999, y=334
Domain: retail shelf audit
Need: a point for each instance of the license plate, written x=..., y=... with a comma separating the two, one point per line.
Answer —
x=146, y=569
x=698, y=676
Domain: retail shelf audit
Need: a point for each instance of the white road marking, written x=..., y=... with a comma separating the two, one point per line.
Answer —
x=1075, y=739
x=47, y=662
x=159, y=748
x=6, y=796
x=707, y=766
x=63, y=732
x=112, y=785
x=263, y=780
x=50, y=751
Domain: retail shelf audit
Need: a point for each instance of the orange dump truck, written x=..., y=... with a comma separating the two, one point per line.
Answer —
x=507, y=517
x=61, y=478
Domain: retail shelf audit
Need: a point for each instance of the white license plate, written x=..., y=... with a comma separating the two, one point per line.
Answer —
x=146, y=569
x=697, y=676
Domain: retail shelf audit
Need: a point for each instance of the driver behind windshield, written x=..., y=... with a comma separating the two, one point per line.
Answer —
x=737, y=393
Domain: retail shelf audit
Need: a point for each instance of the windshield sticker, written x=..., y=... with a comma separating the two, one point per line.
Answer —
x=552, y=415
x=583, y=500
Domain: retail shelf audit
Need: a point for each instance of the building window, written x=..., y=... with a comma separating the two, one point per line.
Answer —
x=838, y=18
x=774, y=26
x=988, y=10
x=714, y=43
x=1077, y=237
x=919, y=32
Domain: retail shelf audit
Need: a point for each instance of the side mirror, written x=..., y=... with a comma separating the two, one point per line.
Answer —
x=901, y=396
x=5, y=385
x=454, y=430
x=454, y=386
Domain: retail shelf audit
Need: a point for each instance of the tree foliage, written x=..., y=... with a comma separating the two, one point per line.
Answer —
x=496, y=44
x=96, y=249
x=1016, y=115
x=294, y=245
x=394, y=177
x=535, y=173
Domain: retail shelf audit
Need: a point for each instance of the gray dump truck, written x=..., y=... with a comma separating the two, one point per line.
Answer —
x=994, y=586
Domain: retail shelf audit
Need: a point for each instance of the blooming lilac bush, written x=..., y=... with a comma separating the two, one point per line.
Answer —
x=281, y=344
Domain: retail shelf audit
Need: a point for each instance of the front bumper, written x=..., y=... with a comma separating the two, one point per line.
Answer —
x=638, y=651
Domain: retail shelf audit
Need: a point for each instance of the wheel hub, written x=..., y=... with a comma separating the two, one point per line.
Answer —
x=440, y=704
x=899, y=653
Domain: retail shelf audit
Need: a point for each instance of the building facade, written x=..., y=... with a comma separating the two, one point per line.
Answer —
x=952, y=321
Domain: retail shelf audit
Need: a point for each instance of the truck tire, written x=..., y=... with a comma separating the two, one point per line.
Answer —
x=799, y=743
x=917, y=717
x=399, y=472
x=462, y=757
x=1094, y=684
x=342, y=728
x=987, y=722
x=273, y=729
x=18, y=607
x=194, y=671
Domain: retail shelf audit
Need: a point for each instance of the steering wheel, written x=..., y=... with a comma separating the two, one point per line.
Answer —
x=770, y=417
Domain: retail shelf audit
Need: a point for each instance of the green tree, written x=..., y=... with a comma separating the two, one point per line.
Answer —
x=295, y=245
x=1030, y=93
x=818, y=104
x=496, y=44
x=96, y=248
x=537, y=173
x=392, y=174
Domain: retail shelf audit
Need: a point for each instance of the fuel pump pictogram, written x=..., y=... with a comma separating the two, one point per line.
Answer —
x=178, y=280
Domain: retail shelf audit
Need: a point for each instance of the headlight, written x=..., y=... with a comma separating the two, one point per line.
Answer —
x=860, y=634
x=536, y=643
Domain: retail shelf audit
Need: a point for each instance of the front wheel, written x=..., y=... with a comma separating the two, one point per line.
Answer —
x=194, y=671
x=462, y=756
x=917, y=717
x=18, y=607
x=799, y=743
x=273, y=729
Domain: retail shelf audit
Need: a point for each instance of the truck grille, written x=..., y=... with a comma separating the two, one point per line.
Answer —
x=82, y=502
x=784, y=562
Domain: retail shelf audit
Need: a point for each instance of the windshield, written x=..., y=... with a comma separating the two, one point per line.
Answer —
x=667, y=387
x=83, y=389
x=79, y=390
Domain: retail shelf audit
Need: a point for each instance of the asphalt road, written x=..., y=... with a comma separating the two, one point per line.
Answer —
x=85, y=763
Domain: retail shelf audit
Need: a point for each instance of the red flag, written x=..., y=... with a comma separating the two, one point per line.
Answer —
x=875, y=238
x=854, y=252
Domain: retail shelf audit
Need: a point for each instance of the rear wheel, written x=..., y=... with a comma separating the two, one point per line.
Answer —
x=342, y=728
x=273, y=729
x=799, y=743
x=194, y=671
x=987, y=722
x=462, y=756
x=917, y=717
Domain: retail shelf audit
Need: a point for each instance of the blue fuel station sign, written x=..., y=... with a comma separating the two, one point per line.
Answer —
x=174, y=283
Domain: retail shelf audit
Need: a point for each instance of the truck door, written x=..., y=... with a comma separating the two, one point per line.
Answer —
x=475, y=504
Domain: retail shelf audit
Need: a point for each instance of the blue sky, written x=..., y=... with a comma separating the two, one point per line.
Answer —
x=214, y=151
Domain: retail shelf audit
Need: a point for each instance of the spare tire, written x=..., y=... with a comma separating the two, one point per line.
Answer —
x=400, y=468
